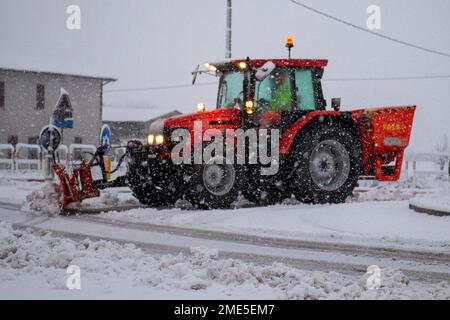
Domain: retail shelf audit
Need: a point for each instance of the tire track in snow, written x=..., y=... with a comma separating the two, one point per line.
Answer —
x=385, y=252
x=261, y=259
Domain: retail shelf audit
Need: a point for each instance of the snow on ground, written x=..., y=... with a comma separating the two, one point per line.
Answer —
x=33, y=265
x=388, y=223
x=15, y=187
x=108, y=198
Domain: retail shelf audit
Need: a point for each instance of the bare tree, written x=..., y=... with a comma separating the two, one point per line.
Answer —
x=442, y=147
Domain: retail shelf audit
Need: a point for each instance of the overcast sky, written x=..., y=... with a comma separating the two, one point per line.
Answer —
x=147, y=43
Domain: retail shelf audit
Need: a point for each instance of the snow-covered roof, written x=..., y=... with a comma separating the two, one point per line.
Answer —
x=133, y=114
x=107, y=79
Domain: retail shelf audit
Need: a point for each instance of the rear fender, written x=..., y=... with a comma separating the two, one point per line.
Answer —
x=288, y=136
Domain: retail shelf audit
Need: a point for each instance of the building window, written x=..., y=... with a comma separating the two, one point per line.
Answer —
x=33, y=140
x=13, y=140
x=40, y=97
x=2, y=94
x=78, y=140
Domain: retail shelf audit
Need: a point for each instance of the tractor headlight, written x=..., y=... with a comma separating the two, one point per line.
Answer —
x=249, y=106
x=159, y=139
x=242, y=65
x=150, y=138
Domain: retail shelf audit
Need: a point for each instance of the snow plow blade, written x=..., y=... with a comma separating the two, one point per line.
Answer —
x=385, y=133
x=78, y=186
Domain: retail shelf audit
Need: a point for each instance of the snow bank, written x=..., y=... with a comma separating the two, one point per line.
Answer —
x=34, y=265
x=437, y=203
x=383, y=194
x=45, y=200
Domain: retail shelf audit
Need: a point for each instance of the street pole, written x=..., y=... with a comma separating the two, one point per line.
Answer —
x=228, y=32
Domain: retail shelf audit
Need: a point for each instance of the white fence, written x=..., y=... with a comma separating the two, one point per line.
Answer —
x=6, y=157
x=418, y=168
x=31, y=156
x=424, y=163
x=28, y=157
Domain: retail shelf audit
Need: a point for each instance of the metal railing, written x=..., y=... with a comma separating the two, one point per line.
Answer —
x=27, y=157
x=6, y=157
x=24, y=156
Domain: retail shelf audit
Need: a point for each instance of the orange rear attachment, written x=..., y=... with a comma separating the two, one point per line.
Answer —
x=385, y=133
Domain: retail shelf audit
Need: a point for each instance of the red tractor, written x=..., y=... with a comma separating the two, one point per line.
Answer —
x=320, y=154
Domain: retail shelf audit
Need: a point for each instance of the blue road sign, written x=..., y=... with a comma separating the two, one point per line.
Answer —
x=105, y=136
x=62, y=112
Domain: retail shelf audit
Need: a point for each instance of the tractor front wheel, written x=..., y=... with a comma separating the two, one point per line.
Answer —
x=148, y=193
x=213, y=185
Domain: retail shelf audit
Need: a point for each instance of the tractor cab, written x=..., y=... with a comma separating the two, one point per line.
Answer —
x=271, y=85
x=269, y=89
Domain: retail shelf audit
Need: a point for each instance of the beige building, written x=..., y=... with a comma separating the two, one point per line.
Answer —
x=27, y=99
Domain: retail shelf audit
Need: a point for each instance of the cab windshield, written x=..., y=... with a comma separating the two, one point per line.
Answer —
x=285, y=89
x=231, y=91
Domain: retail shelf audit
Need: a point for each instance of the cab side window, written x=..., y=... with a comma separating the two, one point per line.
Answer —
x=274, y=93
x=305, y=90
x=231, y=91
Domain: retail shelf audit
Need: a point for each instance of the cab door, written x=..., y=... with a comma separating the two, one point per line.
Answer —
x=304, y=90
x=274, y=96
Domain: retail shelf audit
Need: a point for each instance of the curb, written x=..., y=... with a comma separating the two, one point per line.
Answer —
x=433, y=212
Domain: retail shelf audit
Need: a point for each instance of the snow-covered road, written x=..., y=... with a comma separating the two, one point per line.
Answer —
x=310, y=255
x=344, y=239
x=33, y=265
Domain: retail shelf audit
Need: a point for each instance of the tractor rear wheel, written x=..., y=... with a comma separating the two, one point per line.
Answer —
x=327, y=163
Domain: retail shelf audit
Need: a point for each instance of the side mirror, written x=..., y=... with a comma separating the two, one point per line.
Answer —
x=336, y=104
x=264, y=71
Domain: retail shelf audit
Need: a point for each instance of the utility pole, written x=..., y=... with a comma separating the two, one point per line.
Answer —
x=228, y=32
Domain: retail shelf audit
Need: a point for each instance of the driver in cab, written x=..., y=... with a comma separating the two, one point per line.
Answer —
x=282, y=97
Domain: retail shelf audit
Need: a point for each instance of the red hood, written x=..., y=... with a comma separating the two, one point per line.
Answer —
x=216, y=118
